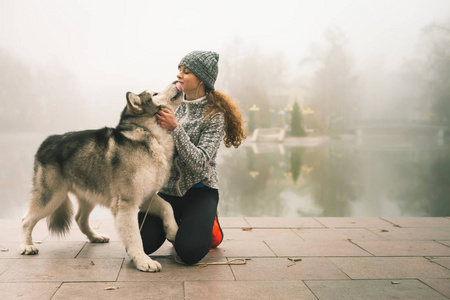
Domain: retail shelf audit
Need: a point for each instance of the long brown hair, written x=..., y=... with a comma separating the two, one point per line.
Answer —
x=234, y=123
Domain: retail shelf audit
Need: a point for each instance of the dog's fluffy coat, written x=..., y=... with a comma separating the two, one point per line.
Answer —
x=121, y=168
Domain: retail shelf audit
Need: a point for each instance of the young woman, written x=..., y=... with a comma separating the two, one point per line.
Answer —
x=201, y=122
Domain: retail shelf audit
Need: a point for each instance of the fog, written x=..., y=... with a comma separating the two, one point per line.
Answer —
x=66, y=65
x=339, y=68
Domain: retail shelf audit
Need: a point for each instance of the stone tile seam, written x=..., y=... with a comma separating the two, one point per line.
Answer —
x=17, y=260
x=59, y=286
x=312, y=292
x=432, y=288
x=430, y=259
x=81, y=249
x=441, y=242
x=292, y=230
x=393, y=224
x=360, y=247
x=246, y=221
x=120, y=269
x=265, y=243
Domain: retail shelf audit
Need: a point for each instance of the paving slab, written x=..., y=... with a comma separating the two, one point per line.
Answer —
x=6, y=263
x=416, y=234
x=230, y=222
x=315, y=248
x=420, y=222
x=353, y=222
x=443, y=261
x=389, y=267
x=120, y=290
x=46, y=250
x=447, y=243
x=440, y=285
x=117, y=250
x=274, y=269
x=283, y=222
x=372, y=290
x=28, y=290
x=236, y=290
x=404, y=248
x=337, y=234
x=173, y=271
x=46, y=270
x=249, y=234
x=339, y=257
x=238, y=248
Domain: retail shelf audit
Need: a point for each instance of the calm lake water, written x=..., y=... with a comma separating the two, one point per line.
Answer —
x=376, y=176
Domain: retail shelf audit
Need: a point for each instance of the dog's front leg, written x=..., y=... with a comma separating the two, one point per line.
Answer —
x=127, y=226
x=163, y=209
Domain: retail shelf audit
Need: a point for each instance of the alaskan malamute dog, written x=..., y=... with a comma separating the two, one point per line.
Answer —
x=121, y=168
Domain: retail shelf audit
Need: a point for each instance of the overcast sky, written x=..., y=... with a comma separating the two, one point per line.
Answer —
x=135, y=45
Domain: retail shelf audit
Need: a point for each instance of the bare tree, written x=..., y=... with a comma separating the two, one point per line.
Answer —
x=334, y=81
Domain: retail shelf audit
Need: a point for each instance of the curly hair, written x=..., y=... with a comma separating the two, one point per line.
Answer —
x=234, y=123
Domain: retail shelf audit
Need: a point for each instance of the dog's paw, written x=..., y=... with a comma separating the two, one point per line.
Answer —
x=148, y=265
x=171, y=233
x=100, y=238
x=28, y=249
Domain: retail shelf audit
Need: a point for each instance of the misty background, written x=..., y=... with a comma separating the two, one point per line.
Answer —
x=67, y=65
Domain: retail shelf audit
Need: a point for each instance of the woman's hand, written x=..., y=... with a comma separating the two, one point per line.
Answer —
x=167, y=119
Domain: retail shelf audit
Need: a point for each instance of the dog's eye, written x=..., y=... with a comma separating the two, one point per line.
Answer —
x=155, y=94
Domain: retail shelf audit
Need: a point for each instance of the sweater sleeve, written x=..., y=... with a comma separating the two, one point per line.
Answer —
x=197, y=157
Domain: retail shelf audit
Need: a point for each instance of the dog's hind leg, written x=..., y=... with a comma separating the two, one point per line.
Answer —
x=43, y=203
x=28, y=222
x=82, y=217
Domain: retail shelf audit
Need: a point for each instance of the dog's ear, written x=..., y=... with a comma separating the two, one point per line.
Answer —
x=134, y=103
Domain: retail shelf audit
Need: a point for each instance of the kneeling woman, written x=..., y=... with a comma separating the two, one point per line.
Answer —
x=201, y=122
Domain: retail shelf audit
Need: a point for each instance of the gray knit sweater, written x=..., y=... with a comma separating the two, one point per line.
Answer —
x=196, y=142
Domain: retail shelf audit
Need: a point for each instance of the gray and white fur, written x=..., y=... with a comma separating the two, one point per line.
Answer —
x=121, y=168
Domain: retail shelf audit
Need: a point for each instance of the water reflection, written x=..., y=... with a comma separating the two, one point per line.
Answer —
x=336, y=179
x=340, y=178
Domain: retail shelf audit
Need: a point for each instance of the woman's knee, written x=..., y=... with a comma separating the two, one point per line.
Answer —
x=191, y=253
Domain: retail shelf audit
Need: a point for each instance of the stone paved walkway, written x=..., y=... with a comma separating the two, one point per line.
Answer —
x=290, y=258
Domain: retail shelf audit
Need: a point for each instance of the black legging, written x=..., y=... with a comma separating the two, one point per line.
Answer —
x=194, y=213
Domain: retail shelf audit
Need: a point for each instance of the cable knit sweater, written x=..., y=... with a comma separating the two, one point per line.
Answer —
x=196, y=142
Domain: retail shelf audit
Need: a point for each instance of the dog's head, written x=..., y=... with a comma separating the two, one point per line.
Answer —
x=149, y=102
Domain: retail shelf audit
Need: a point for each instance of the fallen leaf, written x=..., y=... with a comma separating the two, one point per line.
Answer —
x=201, y=266
x=247, y=229
x=395, y=282
x=4, y=249
x=395, y=225
x=111, y=288
x=332, y=228
x=294, y=259
x=384, y=230
x=37, y=242
x=92, y=263
x=351, y=222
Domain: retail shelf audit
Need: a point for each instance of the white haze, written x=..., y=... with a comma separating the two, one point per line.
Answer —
x=111, y=47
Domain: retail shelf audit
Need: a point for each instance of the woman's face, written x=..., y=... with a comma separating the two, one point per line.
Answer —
x=189, y=82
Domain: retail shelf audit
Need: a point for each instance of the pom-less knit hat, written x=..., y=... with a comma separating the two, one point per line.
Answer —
x=204, y=64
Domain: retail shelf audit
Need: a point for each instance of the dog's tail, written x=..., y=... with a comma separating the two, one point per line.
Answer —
x=58, y=222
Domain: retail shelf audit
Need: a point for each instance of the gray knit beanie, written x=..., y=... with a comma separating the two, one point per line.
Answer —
x=204, y=64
